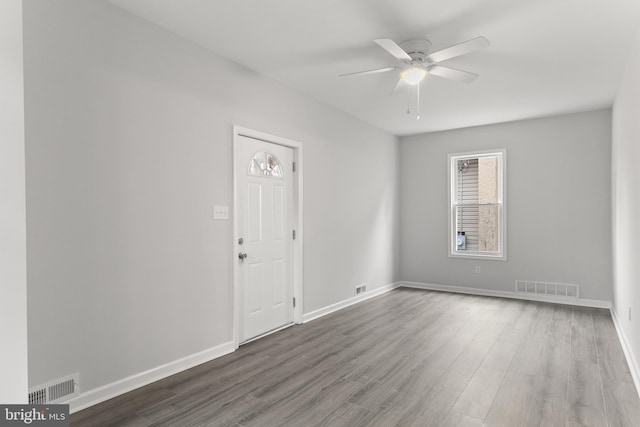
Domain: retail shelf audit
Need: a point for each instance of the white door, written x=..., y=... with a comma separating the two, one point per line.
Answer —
x=264, y=199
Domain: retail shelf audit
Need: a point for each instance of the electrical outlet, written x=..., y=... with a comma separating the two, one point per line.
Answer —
x=477, y=269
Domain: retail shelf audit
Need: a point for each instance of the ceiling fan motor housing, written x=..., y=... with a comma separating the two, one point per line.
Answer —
x=417, y=49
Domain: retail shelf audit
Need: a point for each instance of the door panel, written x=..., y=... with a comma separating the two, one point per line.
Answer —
x=278, y=213
x=254, y=212
x=254, y=288
x=279, y=281
x=264, y=199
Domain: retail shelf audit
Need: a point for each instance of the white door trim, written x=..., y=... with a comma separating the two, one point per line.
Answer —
x=297, y=221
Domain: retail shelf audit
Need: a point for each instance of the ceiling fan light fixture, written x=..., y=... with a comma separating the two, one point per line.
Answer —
x=413, y=75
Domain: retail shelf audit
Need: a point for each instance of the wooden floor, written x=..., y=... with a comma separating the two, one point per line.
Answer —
x=407, y=358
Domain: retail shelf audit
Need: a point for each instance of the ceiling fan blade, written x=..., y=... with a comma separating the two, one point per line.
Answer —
x=459, y=49
x=395, y=50
x=362, y=73
x=398, y=86
x=452, y=73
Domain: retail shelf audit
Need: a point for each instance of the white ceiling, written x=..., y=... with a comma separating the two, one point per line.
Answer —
x=546, y=57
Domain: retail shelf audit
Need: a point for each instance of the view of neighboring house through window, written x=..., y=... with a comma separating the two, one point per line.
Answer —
x=477, y=220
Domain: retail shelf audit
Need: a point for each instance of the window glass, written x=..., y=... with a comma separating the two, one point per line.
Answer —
x=265, y=164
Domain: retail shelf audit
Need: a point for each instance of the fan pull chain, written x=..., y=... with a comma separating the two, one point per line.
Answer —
x=408, y=99
x=418, y=101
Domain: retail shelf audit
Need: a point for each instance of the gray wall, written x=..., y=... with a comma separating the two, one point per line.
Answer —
x=626, y=205
x=13, y=255
x=558, y=204
x=129, y=145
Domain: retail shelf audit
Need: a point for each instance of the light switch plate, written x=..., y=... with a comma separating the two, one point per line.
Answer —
x=221, y=212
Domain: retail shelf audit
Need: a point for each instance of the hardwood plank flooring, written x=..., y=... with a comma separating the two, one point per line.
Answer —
x=406, y=358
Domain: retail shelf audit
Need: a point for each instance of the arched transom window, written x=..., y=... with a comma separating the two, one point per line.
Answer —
x=266, y=165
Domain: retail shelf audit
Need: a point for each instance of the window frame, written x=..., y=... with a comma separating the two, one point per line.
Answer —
x=453, y=158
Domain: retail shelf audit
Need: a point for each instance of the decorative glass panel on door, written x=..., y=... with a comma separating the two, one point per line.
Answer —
x=266, y=165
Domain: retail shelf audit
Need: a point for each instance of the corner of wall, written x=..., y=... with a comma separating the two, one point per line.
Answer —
x=13, y=315
x=625, y=208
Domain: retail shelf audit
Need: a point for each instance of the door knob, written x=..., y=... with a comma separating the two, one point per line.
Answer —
x=242, y=256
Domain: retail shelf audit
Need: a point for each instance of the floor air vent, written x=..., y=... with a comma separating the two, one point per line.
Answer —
x=56, y=391
x=564, y=290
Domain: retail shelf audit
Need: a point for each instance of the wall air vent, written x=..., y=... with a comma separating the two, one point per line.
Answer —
x=564, y=290
x=56, y=391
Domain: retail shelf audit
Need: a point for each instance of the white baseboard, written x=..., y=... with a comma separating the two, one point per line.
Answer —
x=346, y=303
x=108, y=391
x=626, y=348
x=508, y=294
x=448, y=288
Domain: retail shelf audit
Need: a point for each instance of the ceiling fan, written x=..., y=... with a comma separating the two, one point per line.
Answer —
x=417, y=62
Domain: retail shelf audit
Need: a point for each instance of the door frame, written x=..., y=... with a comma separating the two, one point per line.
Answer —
x=297, y=222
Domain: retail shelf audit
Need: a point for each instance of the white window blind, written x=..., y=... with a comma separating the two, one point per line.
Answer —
x=468, y=216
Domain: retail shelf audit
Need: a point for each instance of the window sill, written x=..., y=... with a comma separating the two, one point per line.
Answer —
x=471, y=255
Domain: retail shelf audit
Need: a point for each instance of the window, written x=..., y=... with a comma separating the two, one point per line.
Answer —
x=477, y=205
x=266, y=165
